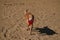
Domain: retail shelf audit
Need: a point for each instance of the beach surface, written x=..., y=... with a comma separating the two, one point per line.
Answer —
x=46, y=19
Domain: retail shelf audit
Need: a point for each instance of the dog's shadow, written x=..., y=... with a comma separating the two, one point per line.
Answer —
x=46, y=30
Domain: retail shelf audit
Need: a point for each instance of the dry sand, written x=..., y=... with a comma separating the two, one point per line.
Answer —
x=13, y=26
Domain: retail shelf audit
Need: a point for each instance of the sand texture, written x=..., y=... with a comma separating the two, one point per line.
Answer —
x=46, y=19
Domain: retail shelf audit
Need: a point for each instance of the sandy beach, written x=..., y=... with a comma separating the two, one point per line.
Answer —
x=46, y=19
